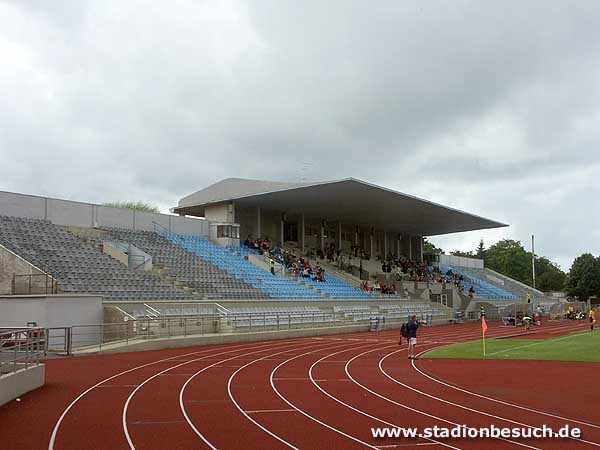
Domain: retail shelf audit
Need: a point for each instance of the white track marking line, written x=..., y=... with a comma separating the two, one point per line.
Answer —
x=462, y=406
x=503, y=402
x=554, y=329
x=258, y=411
x=280, y=439
x=406, y=445
x=52, y=441
x=543, y=341
x=184, y=387
x=450, y=403
x=412, y=409
x=126, y=406
x=352, y=407
x=304, y=412
x=56, y=428
x=498, y=333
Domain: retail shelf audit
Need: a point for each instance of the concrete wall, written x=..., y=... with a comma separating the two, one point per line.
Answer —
x=10, y=265
x=87, y=215
x=460, y=261
x=26, y=379
x=49, y=311
x=114, y=252
x=223, y=212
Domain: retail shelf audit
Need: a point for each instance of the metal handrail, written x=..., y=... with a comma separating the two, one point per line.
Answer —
x=28, y=257
x=142, y=263
x=53, y=284
x=158, y=225
x=20, y=346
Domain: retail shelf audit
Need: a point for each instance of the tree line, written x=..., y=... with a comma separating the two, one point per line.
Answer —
x=510, y=258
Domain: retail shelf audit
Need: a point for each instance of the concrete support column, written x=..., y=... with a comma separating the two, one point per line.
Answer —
x=372, y=246
x=322, y=237
x=385, y=244
x=398, y=245
x=410, y=252
x=421, y=249
x=355, y=235
x=302, y=232
x=258, y=230
x=282, y=224
x=339, y=236
x=231, y=212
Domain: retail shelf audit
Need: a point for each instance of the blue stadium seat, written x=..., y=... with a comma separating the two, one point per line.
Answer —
x=482, y=288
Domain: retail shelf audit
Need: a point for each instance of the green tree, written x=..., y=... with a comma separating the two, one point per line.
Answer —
x=461, y=253
x=137, y=206
x=481, y=250
x=584, y=277
x=549, y=276
x=428, y=247
x=510, y=258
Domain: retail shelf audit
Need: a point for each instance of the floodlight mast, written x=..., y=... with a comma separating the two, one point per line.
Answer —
x=533, y=258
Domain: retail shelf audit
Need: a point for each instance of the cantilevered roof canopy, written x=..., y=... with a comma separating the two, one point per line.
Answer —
x=349, y=200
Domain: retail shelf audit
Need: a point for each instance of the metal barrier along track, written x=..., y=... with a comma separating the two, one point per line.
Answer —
x=20, y=348
x=65, y=340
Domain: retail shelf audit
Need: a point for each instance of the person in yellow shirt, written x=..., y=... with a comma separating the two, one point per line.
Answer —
x=592, y=316
x=571, y=313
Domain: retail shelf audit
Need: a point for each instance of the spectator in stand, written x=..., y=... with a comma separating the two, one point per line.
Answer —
x=272, y=264
x=365, y=286
x=471, y=292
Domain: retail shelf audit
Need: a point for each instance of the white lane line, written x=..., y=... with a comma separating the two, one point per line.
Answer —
x=304, y=412
x=59, y=422
x=544, y=341
x=128, y=401
x=310, y=371
x=448, y=402
x=266, y=430
x=503, y=402
x=420, y=444
x=184, y=387
x=332, y=381
x=258, y=411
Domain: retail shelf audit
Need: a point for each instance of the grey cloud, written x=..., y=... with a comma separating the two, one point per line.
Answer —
x=491, y=108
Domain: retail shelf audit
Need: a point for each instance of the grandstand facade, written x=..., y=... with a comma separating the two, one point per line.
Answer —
x=346, y=213
x=147, y=267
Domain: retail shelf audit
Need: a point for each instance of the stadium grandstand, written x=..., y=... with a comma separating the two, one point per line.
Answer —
x=238, y=255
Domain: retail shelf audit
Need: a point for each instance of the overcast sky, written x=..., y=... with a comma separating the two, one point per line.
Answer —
x=489, y=107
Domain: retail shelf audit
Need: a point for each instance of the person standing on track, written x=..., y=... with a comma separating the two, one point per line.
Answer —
x=592, y=316
x=412, y=326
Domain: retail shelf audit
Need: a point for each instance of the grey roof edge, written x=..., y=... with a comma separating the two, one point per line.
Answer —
x=356, y=180
x=498, y=224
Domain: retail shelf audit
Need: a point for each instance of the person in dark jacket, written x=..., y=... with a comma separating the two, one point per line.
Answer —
x=412, y=326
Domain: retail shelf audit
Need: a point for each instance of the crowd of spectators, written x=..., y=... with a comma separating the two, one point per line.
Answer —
x=301, y=267
x=261, y=246
x=403, y=268
x=298, y=266
x=378, y=287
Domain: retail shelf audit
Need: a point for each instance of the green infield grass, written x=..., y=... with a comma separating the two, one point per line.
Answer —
x=583, y=347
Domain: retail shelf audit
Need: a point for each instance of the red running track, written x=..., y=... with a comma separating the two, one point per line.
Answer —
x=308, y=393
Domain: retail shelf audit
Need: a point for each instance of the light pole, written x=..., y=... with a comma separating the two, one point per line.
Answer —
x=533, y=258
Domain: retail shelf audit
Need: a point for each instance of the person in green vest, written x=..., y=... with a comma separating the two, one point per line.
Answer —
x=272, y=264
